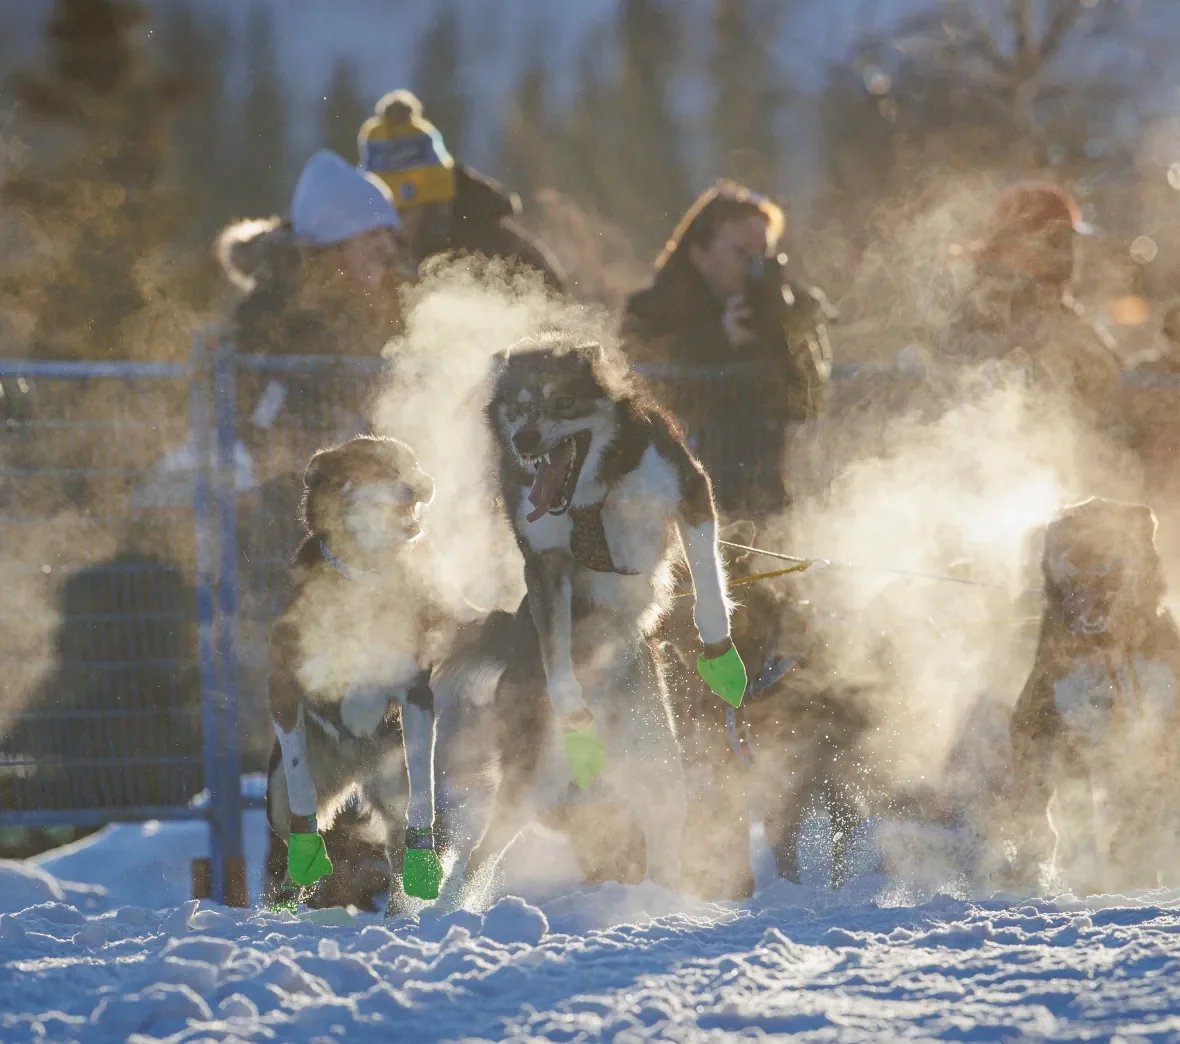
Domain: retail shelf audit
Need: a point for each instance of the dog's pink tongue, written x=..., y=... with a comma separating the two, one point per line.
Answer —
x=550, y=476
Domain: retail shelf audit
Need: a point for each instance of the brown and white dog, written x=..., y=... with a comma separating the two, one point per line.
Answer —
x=1094, y=743
x=350, y=658
x=603, y=497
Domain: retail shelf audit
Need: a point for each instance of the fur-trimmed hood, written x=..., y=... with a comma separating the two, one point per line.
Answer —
x=267, y=273
x=255, y=251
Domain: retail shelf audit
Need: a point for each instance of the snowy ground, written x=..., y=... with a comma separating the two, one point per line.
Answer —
x=99, y=962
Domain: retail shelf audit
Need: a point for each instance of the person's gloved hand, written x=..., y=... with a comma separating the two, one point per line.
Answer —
x=724, y=672
x=422, y=871
x=307, y=859
x=583, y=748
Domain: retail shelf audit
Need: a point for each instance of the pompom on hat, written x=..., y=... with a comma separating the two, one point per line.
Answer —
x=406, y=151
x=334, y=201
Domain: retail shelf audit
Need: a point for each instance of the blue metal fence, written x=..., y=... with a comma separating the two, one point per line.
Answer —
x=117, y=662
x=148, y=514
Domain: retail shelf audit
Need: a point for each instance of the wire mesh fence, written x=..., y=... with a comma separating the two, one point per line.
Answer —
x=100, y=699
x=149, y=514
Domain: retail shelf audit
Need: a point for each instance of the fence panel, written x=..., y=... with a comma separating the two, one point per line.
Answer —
x=100, y=691
x=149, y=513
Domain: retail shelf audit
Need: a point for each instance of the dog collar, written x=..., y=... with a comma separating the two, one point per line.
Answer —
x=360, y=576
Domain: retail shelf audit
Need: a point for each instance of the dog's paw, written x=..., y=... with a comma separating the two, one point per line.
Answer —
x=286, y=899
x=422, y=873
x=585, y=753
x=725, y=675
x=307, y=859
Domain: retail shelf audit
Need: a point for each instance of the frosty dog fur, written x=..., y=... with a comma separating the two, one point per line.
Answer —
x=594, y=481
x=350, y=658
x=1093, y=734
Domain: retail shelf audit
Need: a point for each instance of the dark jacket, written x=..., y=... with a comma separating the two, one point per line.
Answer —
x=735, y=404
x=1007, y=320
x=262, y=261
x=483, y=222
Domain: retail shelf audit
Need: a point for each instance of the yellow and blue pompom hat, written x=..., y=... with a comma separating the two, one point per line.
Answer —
x=406, y=151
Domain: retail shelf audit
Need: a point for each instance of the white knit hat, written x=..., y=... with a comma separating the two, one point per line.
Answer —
x=334, y=201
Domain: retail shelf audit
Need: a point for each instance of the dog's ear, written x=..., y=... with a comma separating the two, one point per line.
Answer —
x=318, y=469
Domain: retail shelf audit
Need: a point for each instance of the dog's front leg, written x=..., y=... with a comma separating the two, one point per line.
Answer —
x=549, y=579
x=307, y=858
x=710, y=608
x=421, y=869
x=719, y=665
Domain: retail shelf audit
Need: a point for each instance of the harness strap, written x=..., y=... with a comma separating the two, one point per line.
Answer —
x=588, y=541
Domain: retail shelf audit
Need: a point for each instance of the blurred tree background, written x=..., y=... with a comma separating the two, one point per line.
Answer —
x=132, y=131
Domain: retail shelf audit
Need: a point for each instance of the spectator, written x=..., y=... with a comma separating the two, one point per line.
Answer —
x=318, y=282
x=1020, y=308
x=445, y=207
x=719, y=297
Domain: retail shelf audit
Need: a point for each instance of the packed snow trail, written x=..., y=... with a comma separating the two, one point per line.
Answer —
x=614, y=964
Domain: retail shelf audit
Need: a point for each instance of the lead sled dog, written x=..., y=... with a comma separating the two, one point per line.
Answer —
x=603, y=498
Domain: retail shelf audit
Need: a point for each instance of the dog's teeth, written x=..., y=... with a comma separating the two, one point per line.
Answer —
x=546, y=459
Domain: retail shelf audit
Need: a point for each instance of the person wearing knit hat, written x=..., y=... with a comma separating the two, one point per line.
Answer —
x=335, y=203
x=405, y=150
x=445, y=207
x=1033, y=230
x=1019, y=310
x=317, y=281
x=320, y=281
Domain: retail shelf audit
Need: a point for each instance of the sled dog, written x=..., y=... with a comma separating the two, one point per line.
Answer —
x=1095, y=754
x=603, y=498
x=350, y=665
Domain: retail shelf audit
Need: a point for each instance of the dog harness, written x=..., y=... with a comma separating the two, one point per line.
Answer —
x=588, y=541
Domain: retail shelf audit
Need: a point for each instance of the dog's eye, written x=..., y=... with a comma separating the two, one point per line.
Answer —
x=564, y=402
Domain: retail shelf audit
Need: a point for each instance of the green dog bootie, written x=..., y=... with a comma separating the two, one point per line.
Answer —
x=725, y=675
x=585, y=753
x=422, y=873
x=307, y=859
x=287, y=899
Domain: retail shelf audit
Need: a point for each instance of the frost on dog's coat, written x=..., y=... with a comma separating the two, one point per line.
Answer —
x=1093, y=733
x=597, y=485
x=350, y=658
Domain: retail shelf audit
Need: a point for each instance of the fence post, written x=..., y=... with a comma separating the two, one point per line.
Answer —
x=227, y=799
x=205, y=533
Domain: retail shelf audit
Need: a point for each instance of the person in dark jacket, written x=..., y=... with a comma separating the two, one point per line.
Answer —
x=1019, y=311
x=446, y=207
x=754, y=345
x=323, y=280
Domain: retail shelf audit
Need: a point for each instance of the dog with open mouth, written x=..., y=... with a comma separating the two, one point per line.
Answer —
x=603, y=497
x=1095, y=755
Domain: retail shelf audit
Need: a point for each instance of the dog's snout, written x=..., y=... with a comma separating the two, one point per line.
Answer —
x=527, y=440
